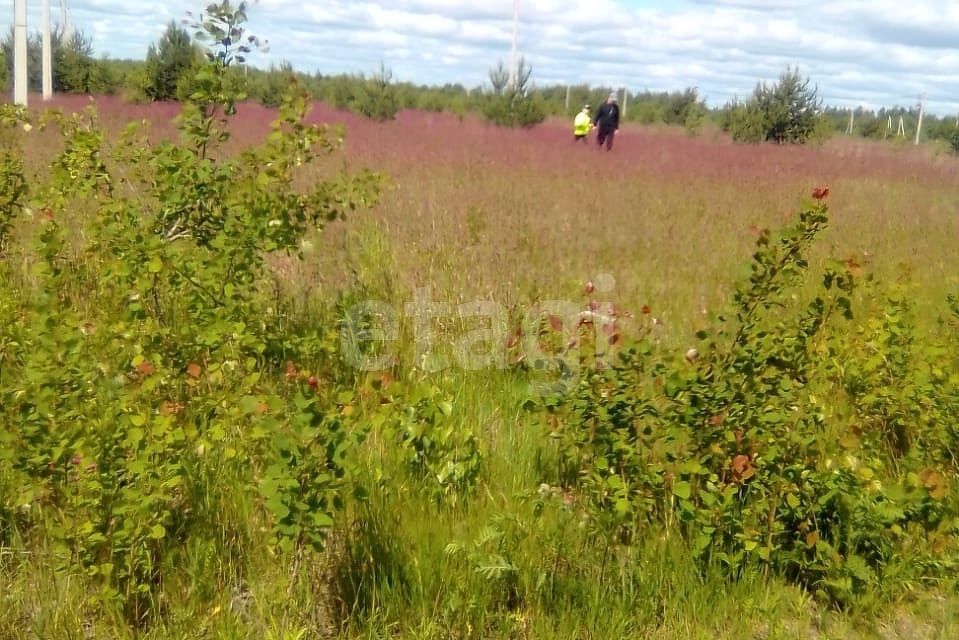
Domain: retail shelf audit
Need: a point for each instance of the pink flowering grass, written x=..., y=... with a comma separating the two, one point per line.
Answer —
x=478, y=212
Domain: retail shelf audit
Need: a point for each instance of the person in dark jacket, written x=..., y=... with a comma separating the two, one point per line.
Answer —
x=606, y=122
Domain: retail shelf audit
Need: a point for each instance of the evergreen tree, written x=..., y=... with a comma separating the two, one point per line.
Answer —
x=168, y=64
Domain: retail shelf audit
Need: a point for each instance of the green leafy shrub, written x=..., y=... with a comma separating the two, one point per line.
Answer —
x=438, y=449
x=737, y=447
x=137, y=371
x=13, y=183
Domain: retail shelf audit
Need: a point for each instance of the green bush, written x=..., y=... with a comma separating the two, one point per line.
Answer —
x=785, y=112
x=511, y=104
x=379, y=101
x=116, y=410
x=170, y=63
x=744, y=447
x=954, y=142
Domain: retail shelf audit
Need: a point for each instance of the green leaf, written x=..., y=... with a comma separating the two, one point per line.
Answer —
x=248, y=404
x=278, y=508
x=682, y=490
x=157, y=532
x=321, y=519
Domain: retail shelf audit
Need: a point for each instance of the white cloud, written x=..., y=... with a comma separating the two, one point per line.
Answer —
x=856, y=51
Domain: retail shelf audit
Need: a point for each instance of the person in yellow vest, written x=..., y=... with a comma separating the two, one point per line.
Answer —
x=582, y=124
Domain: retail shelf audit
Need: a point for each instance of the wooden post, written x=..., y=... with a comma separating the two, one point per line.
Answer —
x=625, y=98
x=567, y=100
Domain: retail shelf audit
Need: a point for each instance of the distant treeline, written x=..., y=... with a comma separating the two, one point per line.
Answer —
x=166, y=74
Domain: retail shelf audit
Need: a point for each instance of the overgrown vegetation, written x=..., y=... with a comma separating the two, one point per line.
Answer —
x=736, y=446
x=189, y=448
x=119, y=408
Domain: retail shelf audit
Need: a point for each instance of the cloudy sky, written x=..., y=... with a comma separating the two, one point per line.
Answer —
x=859, y=52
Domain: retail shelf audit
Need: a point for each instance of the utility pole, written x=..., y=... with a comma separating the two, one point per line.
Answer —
x=66, y=30
x=47, y=54
x=567, y=100
x=922, y=104
x=514, y=60
x=20, y=52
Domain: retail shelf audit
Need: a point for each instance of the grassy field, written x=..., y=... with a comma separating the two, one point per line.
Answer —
x=665, y=225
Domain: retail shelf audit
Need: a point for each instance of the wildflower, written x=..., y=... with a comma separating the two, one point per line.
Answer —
x=692, y=354
x=820, y=193
x=646, y=310
x=27, y=127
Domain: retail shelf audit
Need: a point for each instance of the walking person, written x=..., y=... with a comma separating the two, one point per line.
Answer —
x=582, y=124
x=607, y=121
